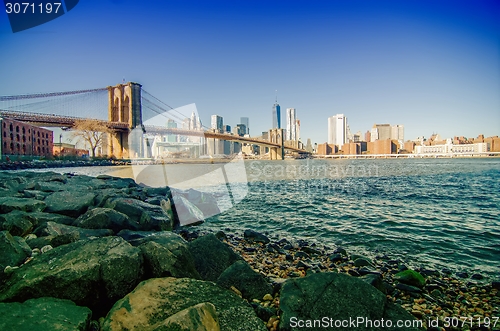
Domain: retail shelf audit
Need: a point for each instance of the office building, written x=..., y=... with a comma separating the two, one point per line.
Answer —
x=276, y=116
x=337, y=130
x=398, y=132
x=217, y=123
x=291, y=124
x=246, y=121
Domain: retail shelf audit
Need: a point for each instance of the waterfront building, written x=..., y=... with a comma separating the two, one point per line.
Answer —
x=19, y=140
x=327, y=149
x=246, y=121
x=449, y=147
x=291, y=124
x=227, y=128
x=337, y=130
x=398, y=132
x=217, y=123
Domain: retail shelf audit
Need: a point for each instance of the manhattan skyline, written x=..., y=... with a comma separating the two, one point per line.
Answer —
x=432, y=66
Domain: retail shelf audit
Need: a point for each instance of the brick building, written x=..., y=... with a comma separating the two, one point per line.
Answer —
x=327, y=149
x=386, y=146
x=69, y=150
x=19, y=139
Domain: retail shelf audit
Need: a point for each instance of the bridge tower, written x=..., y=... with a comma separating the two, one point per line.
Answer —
x=125, y=106
x=277, y=136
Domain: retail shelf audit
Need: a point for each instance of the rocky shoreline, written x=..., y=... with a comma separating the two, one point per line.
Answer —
x=33, y=164
x=103, y=253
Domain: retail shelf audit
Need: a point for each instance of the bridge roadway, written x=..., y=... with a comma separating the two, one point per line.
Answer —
x=221, y=136
x=52, y=120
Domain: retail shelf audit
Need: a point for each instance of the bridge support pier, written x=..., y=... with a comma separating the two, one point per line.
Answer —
x=124, y=105
x=276, y=136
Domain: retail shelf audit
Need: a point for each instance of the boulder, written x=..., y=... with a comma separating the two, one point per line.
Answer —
x=187, y=212
x=255, y=236
x=206, y=203
x=200, y=317
x=149, y=217
x=105, y=218
x=41, y=217
x=339, y=297
x=250, y=283
x=56, y=229
x=93, y=273
x=166, y=255
x=18, y=223
x=154, y=301
x=410, y=277
x=8, y=204
x=70, y=203
x=211, y=256
x=14, y=250
x=44, y=314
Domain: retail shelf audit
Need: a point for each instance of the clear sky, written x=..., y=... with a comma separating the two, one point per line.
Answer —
x=433, y=66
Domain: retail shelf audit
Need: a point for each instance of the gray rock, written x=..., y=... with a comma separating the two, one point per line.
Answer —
x=91, y=273
x=362, y=261
x=18, y=223
x=375, y=281
x=408, y=288
x=50, y=186
x=155, y=300
x=337, y=296
x=8, y=204
x=149, y=217
x=44, y=314
x=41, y=217
x=14, y=250
x=255, y=236
x=200, y=317
x=211, y=256
x=167, y=255
x=70, y=203
x=250, y=283
x=105, y=218
x=187, y=212
x=56, y=229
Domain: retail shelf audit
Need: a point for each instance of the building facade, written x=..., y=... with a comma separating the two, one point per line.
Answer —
x=276, y=116
x=337, y=130
x=19, y=139
x=217, y=123
x=246, y=122
x=291, y=124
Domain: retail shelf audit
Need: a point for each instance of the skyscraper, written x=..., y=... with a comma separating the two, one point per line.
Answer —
x=276, y=115
x=246, y=121
x=337, y=130
x=217, y=123
x=291, y=124
x=397, y=132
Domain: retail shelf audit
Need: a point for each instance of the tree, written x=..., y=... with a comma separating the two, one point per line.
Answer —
x=93, y=132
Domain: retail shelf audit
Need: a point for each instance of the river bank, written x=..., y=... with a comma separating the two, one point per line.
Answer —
x=110, y=246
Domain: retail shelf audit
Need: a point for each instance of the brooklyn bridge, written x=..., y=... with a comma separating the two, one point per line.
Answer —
x=127, y=112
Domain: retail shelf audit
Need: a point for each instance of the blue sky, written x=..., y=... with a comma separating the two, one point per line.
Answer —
x=433, y=66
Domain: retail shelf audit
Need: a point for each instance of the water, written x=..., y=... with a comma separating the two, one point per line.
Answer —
x=429, y=212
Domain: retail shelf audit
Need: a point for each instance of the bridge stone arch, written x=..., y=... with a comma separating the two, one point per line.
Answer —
x=276, y=136
x=124, y=106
